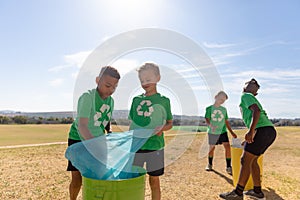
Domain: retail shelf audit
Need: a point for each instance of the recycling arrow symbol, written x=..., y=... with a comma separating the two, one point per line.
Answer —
x=217, y=115
x=98, y=116
x=139, y=110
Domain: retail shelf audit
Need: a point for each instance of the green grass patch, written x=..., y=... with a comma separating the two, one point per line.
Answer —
x=33, y=134
x=190, y=128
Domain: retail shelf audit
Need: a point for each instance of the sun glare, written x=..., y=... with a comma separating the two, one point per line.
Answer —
x=134, y=11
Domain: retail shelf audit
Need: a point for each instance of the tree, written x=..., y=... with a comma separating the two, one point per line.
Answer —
x=4, y=120
x=20, y=119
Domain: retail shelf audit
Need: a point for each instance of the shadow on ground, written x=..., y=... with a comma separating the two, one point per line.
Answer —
x=229, y=180
x=271, y=194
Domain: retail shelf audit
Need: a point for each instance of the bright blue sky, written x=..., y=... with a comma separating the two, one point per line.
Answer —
x=44, y=43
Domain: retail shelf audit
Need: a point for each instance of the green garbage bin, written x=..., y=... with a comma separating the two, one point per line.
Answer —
x=123, y=189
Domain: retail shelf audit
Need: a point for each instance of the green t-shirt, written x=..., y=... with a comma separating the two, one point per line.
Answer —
x=148, y=112
x=247, y=100
x=98, y=110
x=217, y=117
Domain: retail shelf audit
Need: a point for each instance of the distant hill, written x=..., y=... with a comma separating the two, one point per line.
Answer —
x=63, y=114
x=117, y=114
x=121, y=115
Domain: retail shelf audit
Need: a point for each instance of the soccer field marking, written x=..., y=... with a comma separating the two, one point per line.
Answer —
x=31, y=145
x=55, y=143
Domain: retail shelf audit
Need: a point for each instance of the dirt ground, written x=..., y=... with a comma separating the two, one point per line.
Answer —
x=39, y=172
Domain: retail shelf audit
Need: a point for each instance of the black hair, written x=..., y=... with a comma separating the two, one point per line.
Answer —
x=253, y=81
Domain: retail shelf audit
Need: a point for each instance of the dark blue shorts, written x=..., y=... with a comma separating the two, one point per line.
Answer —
x=70, y=166
x=154, y=160
x=215, y=139
x=263, y=138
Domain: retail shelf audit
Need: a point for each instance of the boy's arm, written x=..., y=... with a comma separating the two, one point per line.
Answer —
x=213, y=128
x=83, y=128
x=229, y=128
x=207, y=121
x=159, y=130
x=255, y=117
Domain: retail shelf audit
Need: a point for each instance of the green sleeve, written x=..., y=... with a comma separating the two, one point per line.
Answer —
x=84, y=106
x=112, y=105
x=208, y=112
x=168, y=109
x=248, y=100
x=130, y=116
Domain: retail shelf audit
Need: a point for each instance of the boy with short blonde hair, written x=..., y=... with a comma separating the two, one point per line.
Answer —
x=217, y=120
x=151, y=110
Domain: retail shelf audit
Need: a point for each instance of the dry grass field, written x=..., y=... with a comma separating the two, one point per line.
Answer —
x=39, y=172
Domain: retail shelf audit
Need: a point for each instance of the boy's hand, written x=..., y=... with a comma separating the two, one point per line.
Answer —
x=234, y=135
x=213, y=128
x=249, y=137
x=158, y=130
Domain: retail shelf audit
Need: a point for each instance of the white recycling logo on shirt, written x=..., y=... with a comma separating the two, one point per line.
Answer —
x=98, y=116
x=139, y=110
x=217, y=116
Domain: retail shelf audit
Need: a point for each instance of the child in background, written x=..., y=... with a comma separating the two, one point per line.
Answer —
x=217, y=120
x=151, y=110
x=94, y=112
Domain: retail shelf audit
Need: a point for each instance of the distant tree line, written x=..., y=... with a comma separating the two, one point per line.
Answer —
x=20, y=119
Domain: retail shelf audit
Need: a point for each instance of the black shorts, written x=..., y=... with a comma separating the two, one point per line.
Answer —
x=215, y=139
x=70, y=166
x=154, y=160
x=263, y=138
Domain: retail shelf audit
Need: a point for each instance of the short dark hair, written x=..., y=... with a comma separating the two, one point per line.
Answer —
x=110, y=71
x=253, y=81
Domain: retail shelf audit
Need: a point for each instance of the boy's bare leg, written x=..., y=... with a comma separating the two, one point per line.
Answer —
x=255, y=171
x=227, y=149
x=75, y=184
x=246, y=162
x=155, y=187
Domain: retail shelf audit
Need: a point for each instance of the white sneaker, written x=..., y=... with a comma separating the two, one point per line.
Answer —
x=208, y=167
x=229, y=170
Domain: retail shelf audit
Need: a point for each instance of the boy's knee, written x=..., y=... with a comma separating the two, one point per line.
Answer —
x=154, y=181
x=242, y=160
x=76, y=183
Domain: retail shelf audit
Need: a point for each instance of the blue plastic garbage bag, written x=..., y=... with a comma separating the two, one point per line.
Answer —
x=108, y=157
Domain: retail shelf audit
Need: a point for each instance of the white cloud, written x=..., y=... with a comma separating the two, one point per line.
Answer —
x=56, y=82
x=223, y=54
x=59, y=68
x=226, y=58
x=77, y=59
x=277, y=74
x=217, y=45
x=276, y=83
x=71, y=60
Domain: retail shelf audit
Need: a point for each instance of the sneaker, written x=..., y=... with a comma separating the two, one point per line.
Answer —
x=208, y=167
x=254, y=195
x=231, y=196
x=229, y=170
